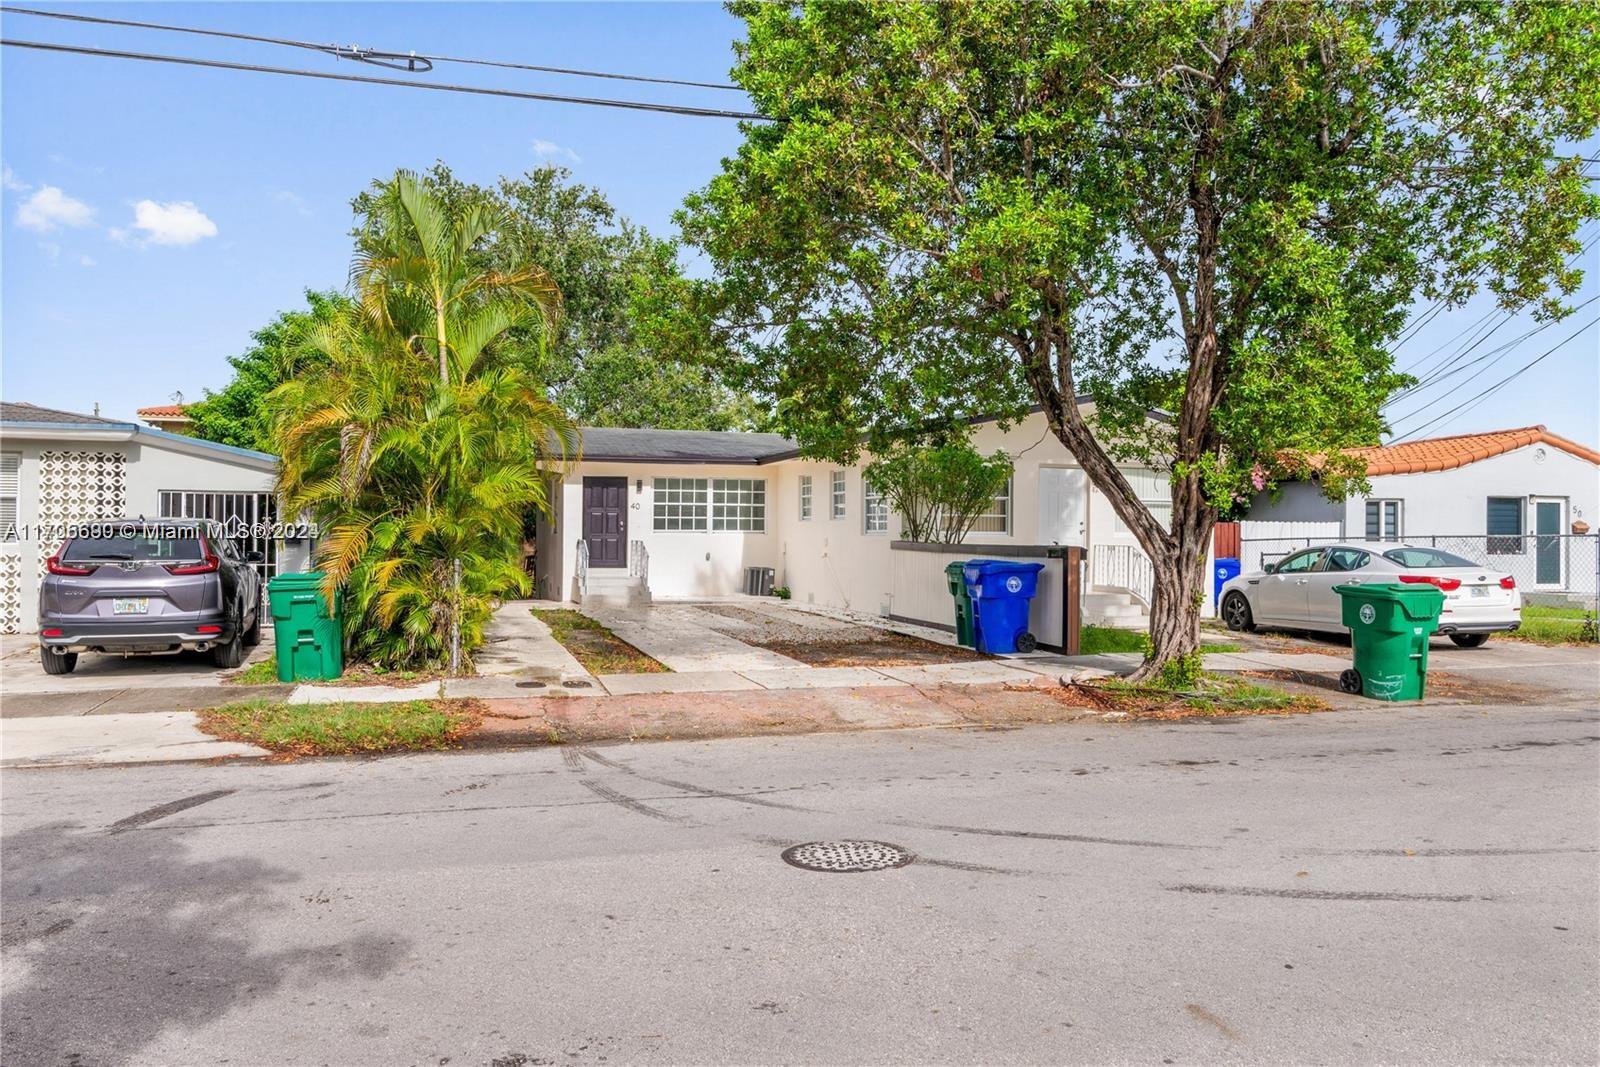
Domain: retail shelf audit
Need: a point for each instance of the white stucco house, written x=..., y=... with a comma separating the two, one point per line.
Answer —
x=62, y=467
x=1524, y=500
x=678, y=514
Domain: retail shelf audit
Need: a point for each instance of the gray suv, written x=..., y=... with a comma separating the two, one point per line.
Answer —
x=138, y=586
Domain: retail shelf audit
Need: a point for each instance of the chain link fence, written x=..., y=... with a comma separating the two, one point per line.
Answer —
x=1560, y=570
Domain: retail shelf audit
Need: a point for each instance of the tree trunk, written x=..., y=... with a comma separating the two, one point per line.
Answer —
x=1177, y=554
x=1179, y=591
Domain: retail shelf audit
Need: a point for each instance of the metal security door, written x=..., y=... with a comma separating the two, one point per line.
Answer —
x=247, y=518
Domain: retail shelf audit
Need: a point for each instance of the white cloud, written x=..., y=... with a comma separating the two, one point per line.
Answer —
x=9, y=179
x=293, y=200
x=175, y=223
x=50, y=208
x=85, y=261
x=550, y=150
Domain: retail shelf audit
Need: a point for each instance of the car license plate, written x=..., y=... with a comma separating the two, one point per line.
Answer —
x=130, y=605
x=1480, y=590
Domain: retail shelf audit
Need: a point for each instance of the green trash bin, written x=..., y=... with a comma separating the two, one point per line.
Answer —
x=307, y=636
x=954, y=577
x=1389, y=630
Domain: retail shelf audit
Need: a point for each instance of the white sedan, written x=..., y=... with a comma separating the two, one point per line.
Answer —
x=1297, y=591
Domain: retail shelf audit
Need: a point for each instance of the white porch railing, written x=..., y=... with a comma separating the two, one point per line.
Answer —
x=1124, y=568
x=639, y=562
x=583, y=568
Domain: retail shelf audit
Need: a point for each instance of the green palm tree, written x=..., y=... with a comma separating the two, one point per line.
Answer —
x=411, y=474
x=411, y=271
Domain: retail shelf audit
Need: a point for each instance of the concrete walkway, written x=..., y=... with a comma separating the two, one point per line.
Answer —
x=517, y=644
x=142, y=738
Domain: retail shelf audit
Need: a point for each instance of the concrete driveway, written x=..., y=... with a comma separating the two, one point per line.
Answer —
x=114, y=684
x=1558, y=672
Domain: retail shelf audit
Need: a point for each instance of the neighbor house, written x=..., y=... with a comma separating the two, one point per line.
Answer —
x=666, y=513
x=174, y=418
x=62, y=467
x=1522, y=500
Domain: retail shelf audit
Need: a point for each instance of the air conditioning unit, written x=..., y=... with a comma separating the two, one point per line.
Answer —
x=758, y=581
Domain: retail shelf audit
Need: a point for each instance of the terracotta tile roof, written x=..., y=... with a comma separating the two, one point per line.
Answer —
x=1448, y=453
x=162, y=411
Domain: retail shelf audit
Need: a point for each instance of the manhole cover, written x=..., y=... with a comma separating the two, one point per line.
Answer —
x=530, y=685
x=847, y=857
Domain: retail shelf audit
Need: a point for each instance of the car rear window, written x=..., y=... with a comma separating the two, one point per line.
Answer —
x=1427, y=557
x=163, y=545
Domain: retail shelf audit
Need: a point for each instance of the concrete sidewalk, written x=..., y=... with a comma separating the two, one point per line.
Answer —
x=96, y=739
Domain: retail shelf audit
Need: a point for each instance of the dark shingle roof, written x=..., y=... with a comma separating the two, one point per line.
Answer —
x=17, y=411
x=682, y=446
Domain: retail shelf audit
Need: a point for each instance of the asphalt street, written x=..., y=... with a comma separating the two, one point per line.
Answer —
x=1414, y=885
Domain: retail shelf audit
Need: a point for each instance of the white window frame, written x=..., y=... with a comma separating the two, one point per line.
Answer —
x=1000, y=509
x=838, y=500
x=1153, y=489
x=1391, y=518
x=805, y=498
x=690, y=496
x=10, y=495
x=874, y=510
x=739, y=505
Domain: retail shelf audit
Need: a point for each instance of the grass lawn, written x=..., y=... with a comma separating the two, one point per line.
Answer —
x=1555, y=626
x=597, y=648
x=343, y=729
x=1219, y=694
x=263, y=673
x=1094, y=640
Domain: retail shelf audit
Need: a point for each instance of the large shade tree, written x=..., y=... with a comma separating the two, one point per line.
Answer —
x=1219, y=211
x=604, y=361
x=235, y=414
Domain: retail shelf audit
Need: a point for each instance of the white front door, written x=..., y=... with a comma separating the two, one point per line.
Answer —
x=1063, y=506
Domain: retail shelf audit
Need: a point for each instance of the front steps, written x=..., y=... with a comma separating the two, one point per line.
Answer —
x=614, y=589
x=1109, y=607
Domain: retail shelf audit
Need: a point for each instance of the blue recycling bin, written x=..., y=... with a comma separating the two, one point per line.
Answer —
x=1226, y=571
x=1001, y=592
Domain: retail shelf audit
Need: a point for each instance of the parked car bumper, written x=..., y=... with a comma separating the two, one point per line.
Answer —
x=1479, y=627
x=167, y=634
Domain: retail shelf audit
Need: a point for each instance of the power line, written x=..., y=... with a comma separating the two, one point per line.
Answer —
x=1447, y=367
x=396, y=60
x=187, y=61
x=1498, y=349
x=1503, y=381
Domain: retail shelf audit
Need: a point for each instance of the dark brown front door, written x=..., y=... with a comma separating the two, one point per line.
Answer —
x=605, y=521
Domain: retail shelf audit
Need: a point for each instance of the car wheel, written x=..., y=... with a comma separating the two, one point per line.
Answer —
x=230, y=654
x=1236, y=613
x=252, y=636
x=1469, y=640
x=57, y=662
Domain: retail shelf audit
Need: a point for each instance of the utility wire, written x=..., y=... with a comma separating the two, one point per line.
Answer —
x=1495, y=351
x=1503, y=381
x=1442, y=369
x=187, y=61
x=396, y=60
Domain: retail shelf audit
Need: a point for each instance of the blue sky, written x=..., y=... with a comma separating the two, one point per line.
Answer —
x=155, y=215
